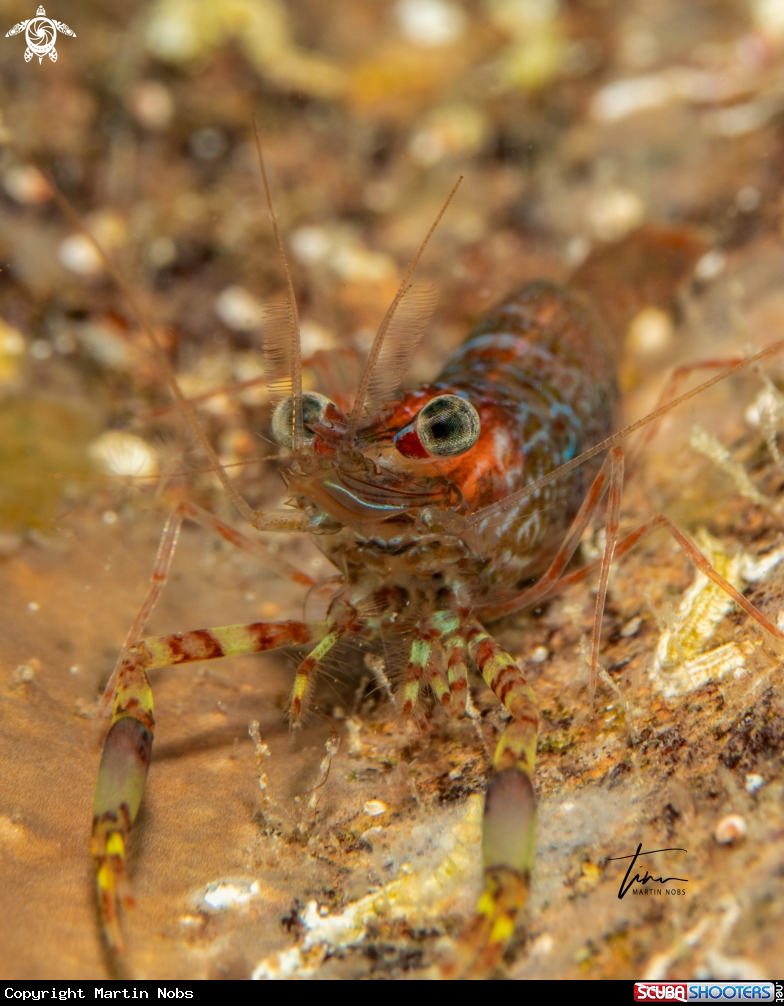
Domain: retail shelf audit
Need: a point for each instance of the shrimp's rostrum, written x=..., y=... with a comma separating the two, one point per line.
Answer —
x=419, y=500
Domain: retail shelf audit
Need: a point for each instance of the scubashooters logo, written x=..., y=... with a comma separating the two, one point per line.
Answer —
x=40, y=34
x=706, y=991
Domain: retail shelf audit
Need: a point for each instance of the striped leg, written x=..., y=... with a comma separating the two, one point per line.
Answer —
x=163, y=561
x=128, y=747
x=509, y=828
x=303, y=682
x=426, y=631
x=457, y=669
x=418, y=659
x=438, y=681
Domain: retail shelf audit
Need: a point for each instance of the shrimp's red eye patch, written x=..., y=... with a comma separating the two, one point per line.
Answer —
x=444, y=428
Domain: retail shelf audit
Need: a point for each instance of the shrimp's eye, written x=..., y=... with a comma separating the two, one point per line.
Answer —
x=448, y=426
x=444, y=428
x=313, y=408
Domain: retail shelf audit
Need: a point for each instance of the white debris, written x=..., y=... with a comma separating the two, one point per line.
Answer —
x=539, y=654
x=614, y=212
x=375, y=808
x=629, y=96
x=453, y=129
x=224, y=894
x=124, y=454
x=343, y=253
x=577, y=251
x=660, y=964
x=542, y=946
x=26, y=185
x=631, y=628
x=710, y=265
x=767, y=413
x=78, y=254
x=444, y=873
x=238, y=309
x=622, y=98
x=769, y=18
x=430, y=23
x=650, y=331
x=737, y=120
x=11, y=340
x=152, y=104
x=768, y=403
x=714, y=449
x=310, y=244
x=313, y=338
x=730, y=829
x=680, y=662
x=24, y=672
x=754, y=782
x=352, y=261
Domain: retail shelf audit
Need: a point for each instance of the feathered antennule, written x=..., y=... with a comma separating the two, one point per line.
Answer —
x=281, y=329
x=397, y=338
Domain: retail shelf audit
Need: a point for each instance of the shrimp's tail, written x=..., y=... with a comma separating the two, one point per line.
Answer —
x=647, y=268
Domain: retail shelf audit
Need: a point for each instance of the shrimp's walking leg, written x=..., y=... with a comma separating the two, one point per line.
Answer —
x=670, y=391
x=627, y=543
x=418, y=659
x=509, y=828
x=446, y=626
x=454, y=644
x=549, y=583
x=610, y=539
x=128, y=747
x=163, y=561
x=303, y=682
x=160, y=573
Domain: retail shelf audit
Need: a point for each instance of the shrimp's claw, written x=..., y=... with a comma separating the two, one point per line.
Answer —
x=113, y=886
x=508, y=847
x=118, y=794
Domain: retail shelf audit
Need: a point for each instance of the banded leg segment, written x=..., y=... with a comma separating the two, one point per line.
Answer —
x=163, y=561
x=441, y=625
x=454, y=644
x=418, y=659
x=128, y=746
x=303, y=682
x=509, y=827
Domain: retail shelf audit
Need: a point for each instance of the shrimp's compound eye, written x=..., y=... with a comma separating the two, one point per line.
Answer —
x=313, y=408
x=444, y=428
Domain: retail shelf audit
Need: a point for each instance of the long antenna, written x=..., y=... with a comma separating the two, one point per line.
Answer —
x=378, y=342
x=243, y=507
x=297, y=427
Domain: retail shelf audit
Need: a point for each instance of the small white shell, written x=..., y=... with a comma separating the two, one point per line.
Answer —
x=730, y=829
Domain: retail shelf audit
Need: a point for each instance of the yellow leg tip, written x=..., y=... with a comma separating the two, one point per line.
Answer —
x=106, y=880
x=115, y=845
x=486, y=904
x=502, y=929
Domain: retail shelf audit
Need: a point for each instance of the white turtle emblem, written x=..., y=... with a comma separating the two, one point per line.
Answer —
x=40, y=33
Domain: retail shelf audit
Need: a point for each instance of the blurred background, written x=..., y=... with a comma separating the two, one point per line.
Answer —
x=572, y=122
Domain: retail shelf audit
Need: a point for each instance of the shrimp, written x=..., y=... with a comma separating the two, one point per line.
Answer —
x=444, y=508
